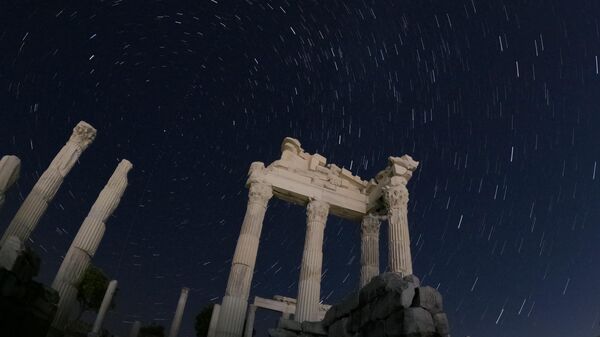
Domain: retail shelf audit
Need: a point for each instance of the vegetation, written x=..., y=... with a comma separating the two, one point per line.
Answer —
x=152, y=331
x=91, y=290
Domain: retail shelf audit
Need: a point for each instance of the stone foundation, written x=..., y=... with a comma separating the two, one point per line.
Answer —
x=388, y=306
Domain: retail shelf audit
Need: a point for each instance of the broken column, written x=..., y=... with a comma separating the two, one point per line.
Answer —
x=36, y=203
x=176, y=324
x=106, y=301
x=135, y=329
x=369, y=249
x=250, y=320
x=214, y=319
x=309, y=286
x=86, y=243
x=10, y=167
x=235, y=302
x=395, y=194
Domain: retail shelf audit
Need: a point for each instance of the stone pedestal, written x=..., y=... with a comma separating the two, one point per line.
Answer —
x=250, y=317
x=86, y=242
x=309, y=286
x=235, y=301
x=106, y=301
x=36, y=203
x=176, y=324
x=369, y=249
x=10, y=168
x=135, y=329
x=400, y=260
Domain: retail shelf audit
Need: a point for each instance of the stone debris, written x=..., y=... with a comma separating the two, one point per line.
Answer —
x=389, y=306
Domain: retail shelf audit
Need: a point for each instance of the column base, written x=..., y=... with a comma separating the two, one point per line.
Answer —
x=232, y=316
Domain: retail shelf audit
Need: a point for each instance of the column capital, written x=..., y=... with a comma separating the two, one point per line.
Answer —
x=83, y=135
x=317, y=211
x=260, y=192
x=395, y=196
x=370, y=224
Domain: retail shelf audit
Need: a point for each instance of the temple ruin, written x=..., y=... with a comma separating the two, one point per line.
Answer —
x=307, y=180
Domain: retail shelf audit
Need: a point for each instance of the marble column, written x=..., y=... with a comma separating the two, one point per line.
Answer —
x=106, y=301
x=36, y=203
x=176, y=324
x=399, y=256
x=309, y=286
x=235, y=301
x=10, y=167
x=214, y=319
x=250, y=320
x=86, y=243
x=369, y=249
x=135, y=329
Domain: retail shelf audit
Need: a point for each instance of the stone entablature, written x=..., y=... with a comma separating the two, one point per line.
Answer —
x=299, y=177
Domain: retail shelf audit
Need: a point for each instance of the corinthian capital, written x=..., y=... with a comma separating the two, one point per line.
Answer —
x=317, y=211
x=83, y=135
x=260, y=192
x=370, y=224
x=395, y=196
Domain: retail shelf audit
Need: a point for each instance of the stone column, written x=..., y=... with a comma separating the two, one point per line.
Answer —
x=214, y=319
x=86, y=242
x=250, y=320
x=10, y=167
x=399, y=256
x=36, y=203
x=135, y=329
x=235, y=301
x=179, y=312
x=309, y=286
x=369, y=249
x=106, y=301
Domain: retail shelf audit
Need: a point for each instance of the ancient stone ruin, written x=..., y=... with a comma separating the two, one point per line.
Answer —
x=307, y=180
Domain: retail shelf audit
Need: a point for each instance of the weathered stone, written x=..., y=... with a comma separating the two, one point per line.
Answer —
x=349, y=303
x=440, y=320
x=339, y=328
x=412, y=322
x=365, y=314
x=289, y=324
x=374, y=329
x=330, y=316
x=391, y=302
x=10, y=252
x=281, y=333
x=412, y=279
x=354, y=323
x=372, y=290
x=428, y=298
x=315, y=328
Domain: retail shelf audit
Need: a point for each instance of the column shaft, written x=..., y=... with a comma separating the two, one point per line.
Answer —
x=36, y=203
x=179, y=312
x=309, y=286
x=106, y=301
x=214, y=319
x=233, y=309
x=369, y=248
x=250, y=320
x=135, y=329
x=400, y=259
x=10, y=167
x=85, y=244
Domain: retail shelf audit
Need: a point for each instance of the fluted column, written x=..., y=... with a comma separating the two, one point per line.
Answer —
x=214, y=319
x=176, y=324
x=135, y=329
x=235, y=301
x=106, y=301
x=309, y=286
x=250, y=320
x=10, y=167
x=86, y=242
x=369, y=249
x=36, y=203
x=399, y=256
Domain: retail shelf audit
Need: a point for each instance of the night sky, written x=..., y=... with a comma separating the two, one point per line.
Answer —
x=498, y=100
